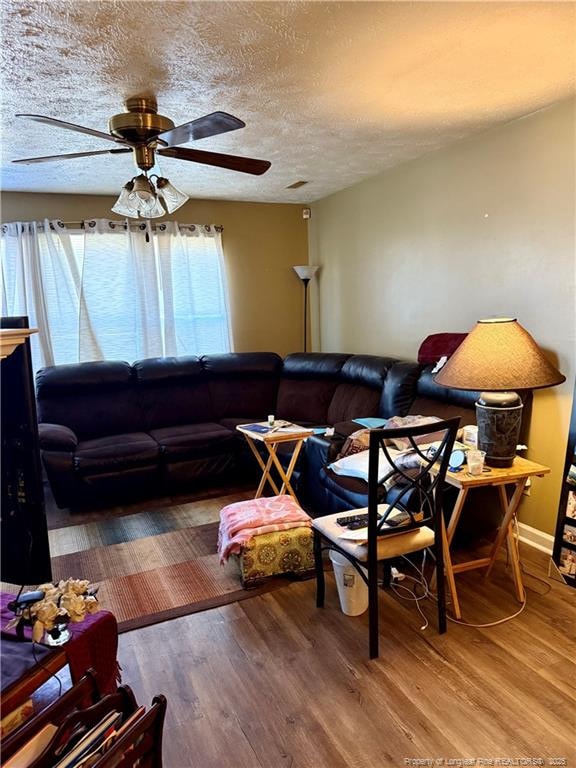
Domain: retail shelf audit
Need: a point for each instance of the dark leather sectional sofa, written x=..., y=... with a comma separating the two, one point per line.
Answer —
x=111, y=430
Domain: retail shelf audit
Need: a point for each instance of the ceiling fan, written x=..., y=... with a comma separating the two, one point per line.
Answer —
x=145, y=133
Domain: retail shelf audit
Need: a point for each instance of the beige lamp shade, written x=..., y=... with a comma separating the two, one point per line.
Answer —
x=498, y=355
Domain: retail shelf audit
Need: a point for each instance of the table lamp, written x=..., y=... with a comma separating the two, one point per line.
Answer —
x=497, y=357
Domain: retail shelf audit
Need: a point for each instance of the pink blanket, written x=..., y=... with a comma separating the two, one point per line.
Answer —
x=241, y=521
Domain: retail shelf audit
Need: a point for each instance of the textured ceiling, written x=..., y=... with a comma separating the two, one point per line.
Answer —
x=331, y=93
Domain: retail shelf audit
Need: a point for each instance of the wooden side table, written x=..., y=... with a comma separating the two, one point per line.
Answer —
x=94, y=644
x=292, y=433
x=517, y=476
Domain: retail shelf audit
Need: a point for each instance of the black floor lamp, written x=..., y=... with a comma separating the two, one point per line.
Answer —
x=306, y=272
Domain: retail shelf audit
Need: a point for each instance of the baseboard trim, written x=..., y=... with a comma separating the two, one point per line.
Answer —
x=535, y=538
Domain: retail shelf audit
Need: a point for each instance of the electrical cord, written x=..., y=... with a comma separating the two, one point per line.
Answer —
x=46, y=669
x=422, y=582
x=398, y=588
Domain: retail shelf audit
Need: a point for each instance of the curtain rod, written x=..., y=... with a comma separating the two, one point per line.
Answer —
x=140, y=223
x=136, y=222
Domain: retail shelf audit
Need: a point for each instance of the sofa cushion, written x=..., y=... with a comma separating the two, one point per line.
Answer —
x=193, y=439
x=353, y=400
x=172, y=391
x=92, y=399
x=359, y=391
x=435, y=400
x=243, y=382
x=120, y=452
x=308, y=383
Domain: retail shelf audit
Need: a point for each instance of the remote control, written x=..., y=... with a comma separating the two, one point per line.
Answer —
x=354, y=522
x=358, y=521
x=355, y=525
x=398, y=518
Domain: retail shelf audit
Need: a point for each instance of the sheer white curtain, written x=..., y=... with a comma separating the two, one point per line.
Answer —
x=113, y=291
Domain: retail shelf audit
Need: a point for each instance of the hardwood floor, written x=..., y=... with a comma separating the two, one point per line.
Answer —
x=274, y=682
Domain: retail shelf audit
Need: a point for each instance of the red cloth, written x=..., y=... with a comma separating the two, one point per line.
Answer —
x=94, y=643
x=438, y=345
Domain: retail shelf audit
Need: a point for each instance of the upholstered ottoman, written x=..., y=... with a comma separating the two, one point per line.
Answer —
x=270, y=536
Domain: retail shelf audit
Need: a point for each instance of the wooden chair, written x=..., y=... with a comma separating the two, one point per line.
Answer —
x=404, y=484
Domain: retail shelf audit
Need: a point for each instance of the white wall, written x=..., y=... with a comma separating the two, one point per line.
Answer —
x=483, y=228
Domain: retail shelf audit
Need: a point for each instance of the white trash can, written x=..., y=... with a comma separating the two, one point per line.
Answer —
x=352, y=590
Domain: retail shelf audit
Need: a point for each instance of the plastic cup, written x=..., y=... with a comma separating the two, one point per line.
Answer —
x=475, y=461
x=271, y=420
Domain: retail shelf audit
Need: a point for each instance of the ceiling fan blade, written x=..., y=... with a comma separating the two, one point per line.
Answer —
x=201, y=128
x=73, y=127
x=49, y=158
x=232, y=162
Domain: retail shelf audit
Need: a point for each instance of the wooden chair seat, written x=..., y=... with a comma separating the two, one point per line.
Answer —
x=389, y=546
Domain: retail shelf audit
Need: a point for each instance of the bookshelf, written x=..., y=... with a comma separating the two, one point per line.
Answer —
x=564, y=554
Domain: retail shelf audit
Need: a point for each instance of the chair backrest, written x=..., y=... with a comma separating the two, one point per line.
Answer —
x=410, y=463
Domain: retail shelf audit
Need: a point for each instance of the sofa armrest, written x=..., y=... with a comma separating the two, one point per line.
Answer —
x=57, y=437
x=321, y=450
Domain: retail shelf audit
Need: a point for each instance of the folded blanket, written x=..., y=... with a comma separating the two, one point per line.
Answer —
x=241, y=521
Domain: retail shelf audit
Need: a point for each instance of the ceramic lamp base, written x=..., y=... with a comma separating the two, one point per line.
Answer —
x=499, y=417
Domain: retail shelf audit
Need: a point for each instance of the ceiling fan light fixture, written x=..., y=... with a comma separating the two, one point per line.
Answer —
x=172, y=197
x=123, y=205
x=153, y=211
x=143, y=194
x=139, y=199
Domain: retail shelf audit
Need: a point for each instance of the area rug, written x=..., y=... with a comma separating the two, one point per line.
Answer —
x=154, y=565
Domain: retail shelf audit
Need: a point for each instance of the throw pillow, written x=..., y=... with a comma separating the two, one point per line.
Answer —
x=403, y=443
x=355, y=443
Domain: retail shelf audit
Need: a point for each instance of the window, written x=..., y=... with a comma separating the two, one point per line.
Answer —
x=112, y=292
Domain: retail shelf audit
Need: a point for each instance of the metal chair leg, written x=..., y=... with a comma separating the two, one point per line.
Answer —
x=373, y=629
x=440, y=586
x=319, y=567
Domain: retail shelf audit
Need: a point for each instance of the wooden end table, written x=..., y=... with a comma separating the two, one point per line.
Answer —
x=517, y=476
x=291, y=433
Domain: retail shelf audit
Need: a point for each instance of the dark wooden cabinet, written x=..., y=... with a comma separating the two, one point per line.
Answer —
x=565, y=540
x=24, y=532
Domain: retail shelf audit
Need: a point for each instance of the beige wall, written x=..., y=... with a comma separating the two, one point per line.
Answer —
x=483, y=228
x=261, y=244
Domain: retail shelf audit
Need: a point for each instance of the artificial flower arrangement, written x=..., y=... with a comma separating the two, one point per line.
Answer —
x=69, y=600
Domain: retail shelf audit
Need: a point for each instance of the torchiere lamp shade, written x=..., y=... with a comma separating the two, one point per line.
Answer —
x=498, y=356
x=306, y=272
